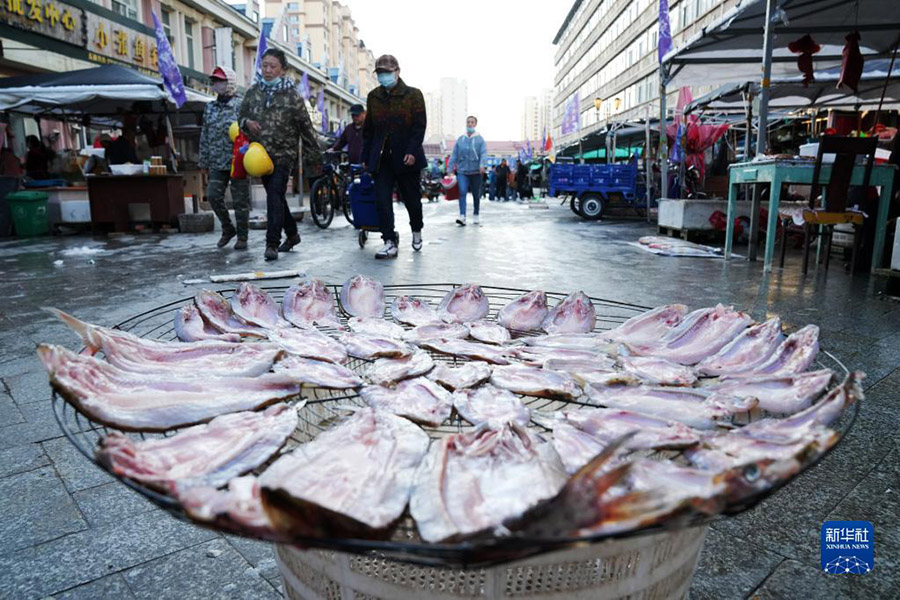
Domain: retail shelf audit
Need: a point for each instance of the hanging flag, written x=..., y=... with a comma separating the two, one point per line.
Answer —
x=320, y=106
x=571, y=122
x=168, y=68
x=261, y=48
x=664, y=46
x=528, y=152
x=325, y=120
x=548, y=143
x=304, y=86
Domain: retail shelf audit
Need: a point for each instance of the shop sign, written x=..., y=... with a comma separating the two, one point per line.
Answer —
x=111, y=40
x=46, y=17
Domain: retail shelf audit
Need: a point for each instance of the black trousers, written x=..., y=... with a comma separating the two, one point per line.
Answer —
x=410, y=193
x=278, y=215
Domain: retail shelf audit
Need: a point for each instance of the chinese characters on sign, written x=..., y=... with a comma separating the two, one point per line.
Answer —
x=46, y=17
x=847, y=547
x=110, y=39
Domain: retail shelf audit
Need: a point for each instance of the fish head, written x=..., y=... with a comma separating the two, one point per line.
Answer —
x=748, y=480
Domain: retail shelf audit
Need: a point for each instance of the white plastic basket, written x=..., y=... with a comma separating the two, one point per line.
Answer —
x=650, y=567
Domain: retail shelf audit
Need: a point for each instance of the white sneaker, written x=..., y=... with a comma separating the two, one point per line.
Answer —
x=389, y=250
x=461, y=220
x=475, y=219
x=417, y=241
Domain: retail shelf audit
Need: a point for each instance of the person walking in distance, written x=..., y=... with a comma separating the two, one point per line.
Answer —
x=501, y=175
x=351, y=137
x=392, y=150
x=469, y=158
x=216, y=155
x=273, y=114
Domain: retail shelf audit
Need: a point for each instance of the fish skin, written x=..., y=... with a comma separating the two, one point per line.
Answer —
x=376, y=327
x=413, y=311
x=237, y=509
x=432, y=331
x=363, y=297
x=308, y=343
x=465, y=349
x=751, y=348
x=461, y=377
x=532, y=381
x=658, y=371
x=318, y=373
x=727, y=450
x=209, y=454
x=587, y=342
x=491, y=406
x=539, y=355
x=779, y=394
x=464, y=304
x=253, y=305
x=420, y=400
x=217, y=312
x=525, y=313
x=470, y=483
x=208, y=358
x=370, y=347
x=353, y=480
x=386, y=371
x=310, y=303
x=649, y=326
x=132, y=402
x=574, y=314
x=794, y=355
x=693, y=407
x=702, y=333
x=488, y=333
x=190, y=327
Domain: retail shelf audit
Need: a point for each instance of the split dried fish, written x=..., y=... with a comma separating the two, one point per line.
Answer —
x=318, y=373
x=217, y=312
x=464, y=349
x=794, y=355
x=419, y=400
x=238, y=508
x=433, y=331
x=525, y=313
x=310, y=303
x=135, y=402
x=489, y=333
x=574, y=314
x=779, y=394
x=209, y=454
x=650, y=326
x=369, y=346
x=376, y=327
x=253, y=305
x=190, y=327
x=352, y=480
x=658, y=371
x=491, y=406
x=363, y=297
x=747, y=351
x=413, y=311
x=532, y=381
x=309, y=343
x=464, y=304
x=386, y=371
x=589, y=342
x=464, y=376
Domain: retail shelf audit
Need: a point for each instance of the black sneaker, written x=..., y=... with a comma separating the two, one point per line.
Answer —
x=289, y=243
x=240, y=244
x=271, y=253
x=223, y=241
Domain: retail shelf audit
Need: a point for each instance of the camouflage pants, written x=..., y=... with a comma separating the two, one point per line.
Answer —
x=240, y=194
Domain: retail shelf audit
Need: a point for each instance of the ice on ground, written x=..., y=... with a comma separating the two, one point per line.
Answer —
x=83, y=251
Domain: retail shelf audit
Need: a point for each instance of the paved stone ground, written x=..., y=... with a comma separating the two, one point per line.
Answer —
x=68, y=530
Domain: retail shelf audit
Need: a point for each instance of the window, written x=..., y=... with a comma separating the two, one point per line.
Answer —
x=189, y=42
x=294, y=19
x=167, y=25
x=293, y=5
x=126, y=8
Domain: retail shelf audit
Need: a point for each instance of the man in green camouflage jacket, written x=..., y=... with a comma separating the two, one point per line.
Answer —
x=273, y=114
x=215, y=158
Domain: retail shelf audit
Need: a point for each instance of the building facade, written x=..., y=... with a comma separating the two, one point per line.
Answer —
x=454, y=99
x=536, y=116
x=607, y=51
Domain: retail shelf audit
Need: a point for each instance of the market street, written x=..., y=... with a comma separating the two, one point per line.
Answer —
x=66, y=526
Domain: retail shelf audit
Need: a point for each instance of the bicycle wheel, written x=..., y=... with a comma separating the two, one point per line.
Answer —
x=348, y=210
x=321, y=202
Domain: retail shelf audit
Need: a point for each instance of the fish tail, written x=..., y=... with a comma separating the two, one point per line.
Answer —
x=76, y=325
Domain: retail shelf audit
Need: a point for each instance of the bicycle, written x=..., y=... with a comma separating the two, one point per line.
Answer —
x=329, y=192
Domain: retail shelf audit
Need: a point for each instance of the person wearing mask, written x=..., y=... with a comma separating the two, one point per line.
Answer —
x=501, y=175
x=216, y=155
x=273, y=113
x=351, y=136
x=469, y=158
x=392, y=150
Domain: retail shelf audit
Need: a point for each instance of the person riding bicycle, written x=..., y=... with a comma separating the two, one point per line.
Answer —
x=352, y=135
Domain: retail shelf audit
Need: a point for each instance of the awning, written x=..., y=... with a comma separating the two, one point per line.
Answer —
x=731, y=49
x=103, y=93
x=789, y=93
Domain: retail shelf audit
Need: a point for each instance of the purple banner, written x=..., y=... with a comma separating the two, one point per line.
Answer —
x=571, y=119
x=304, y=86
x=260, y=50
x=664, y=45
x=168, y=68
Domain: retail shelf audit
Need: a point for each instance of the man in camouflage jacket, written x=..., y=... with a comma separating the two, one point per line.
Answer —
x=273, y=113
x=215, y=158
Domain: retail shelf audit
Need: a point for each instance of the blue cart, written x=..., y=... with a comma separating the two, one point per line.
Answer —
x=362, y=203
x=591, y=187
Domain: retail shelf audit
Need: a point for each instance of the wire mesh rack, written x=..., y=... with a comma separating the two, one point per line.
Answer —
x=320, y=408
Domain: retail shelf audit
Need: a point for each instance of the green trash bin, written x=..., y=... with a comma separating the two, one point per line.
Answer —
x=29, y=213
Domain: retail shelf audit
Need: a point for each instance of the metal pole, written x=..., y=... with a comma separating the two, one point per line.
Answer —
x=762, y=133
x=749, y=127
x=663, y=140
x=581, y=150
x=648, y=177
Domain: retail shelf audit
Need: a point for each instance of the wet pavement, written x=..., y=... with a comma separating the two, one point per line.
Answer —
x=68, y=530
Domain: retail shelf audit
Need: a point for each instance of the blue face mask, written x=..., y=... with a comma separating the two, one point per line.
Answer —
x=272, y=83
x=388, y=80
x=470, y=130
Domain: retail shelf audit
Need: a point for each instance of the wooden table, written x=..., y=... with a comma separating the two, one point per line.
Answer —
x=778, y=172
x=110, y=196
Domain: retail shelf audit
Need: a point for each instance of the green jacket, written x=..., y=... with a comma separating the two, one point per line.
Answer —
x=215, y=145
x=281, y=113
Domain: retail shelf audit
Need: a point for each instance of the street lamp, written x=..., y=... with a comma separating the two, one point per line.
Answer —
x=617, y=103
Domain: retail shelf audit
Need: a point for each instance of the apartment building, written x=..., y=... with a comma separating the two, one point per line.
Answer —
x=536, y=116
x=454, y=106
x=607, y=51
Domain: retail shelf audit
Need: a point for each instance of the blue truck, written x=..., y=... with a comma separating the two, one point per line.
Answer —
x=591, y=187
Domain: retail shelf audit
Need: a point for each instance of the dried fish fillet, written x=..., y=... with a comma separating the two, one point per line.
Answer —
x=419, y=400
x=650, y=326
x=464, y=304
x=464, y=349
x=363, y=297
x=190, y=327
x=532, y=381
x=253, y=305
x=433, y=331
x=794, y=355
x=238, y=508
x=376, y=326
x=658, y=371
x=310, y=303
x=133, y=402
x=386, y=371
x=491, y=406
x=309, y=343
x=525, y=313
x=489, y=333
x=464, y=376
x=317, y=373
x=778, y=394
x=413, y=311
x=351, y=480
x=750, y=349
x=209, y=454
x=217, y=312
x=370, y=346
x=574, y=314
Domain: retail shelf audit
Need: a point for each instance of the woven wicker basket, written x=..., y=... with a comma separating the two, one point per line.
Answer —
x=647, y=567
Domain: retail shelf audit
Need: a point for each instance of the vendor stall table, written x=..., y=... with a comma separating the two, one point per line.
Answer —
x=110, y=196
x=778, y=172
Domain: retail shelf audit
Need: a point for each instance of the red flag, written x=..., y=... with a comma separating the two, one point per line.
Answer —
x=548, y=144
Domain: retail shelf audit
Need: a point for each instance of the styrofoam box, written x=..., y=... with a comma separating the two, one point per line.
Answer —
x=75, y=211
